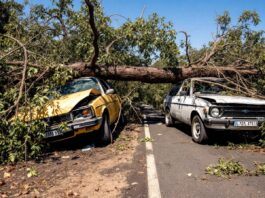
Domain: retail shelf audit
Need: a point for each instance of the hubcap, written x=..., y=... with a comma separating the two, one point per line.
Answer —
x=196, y=129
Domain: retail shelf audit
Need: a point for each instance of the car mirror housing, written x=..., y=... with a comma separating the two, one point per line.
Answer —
x=110, y=91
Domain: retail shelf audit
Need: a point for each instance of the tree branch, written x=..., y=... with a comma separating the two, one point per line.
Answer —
x=142, y=13
x=119, y=15
x=95, y=32
x=24, y=72
x=187, y=47
x=110, y=45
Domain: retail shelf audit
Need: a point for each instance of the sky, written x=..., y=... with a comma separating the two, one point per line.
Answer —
x=197, y=17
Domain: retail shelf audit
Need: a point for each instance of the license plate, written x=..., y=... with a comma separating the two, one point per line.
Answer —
x=52, y=133
x=247, y=123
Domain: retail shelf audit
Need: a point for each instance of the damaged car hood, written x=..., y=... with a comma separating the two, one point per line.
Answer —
x=56, y=107
x=232, y=99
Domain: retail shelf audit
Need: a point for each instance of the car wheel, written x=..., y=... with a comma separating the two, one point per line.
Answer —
x=168, y=119
x=105, y=131
x=122, y=119
x=198, y=130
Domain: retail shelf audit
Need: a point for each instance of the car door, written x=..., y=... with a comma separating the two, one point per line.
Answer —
x=173, y=100
x=113, y=101
x=185, y=102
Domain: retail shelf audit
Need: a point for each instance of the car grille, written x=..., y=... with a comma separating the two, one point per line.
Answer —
x=244, y=111
x=59, y=119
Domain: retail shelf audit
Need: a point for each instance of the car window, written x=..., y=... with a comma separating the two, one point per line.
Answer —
x=209, y=87
x=186, y=87
x=105, y=85
x=174, y=90
x=78, y=85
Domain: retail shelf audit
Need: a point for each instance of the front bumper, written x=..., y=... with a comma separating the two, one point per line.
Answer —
x=231, y=123
x=54, y=133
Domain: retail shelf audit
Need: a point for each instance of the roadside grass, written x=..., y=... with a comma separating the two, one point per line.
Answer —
x=125, y=139
x=123, y=142
x=121, y=147
x=228, y=167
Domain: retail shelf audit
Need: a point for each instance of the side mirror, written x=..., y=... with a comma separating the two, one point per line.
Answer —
x=110, y=91
x=183, y=93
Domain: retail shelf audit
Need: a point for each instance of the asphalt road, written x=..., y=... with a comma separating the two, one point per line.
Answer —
x=181, y=165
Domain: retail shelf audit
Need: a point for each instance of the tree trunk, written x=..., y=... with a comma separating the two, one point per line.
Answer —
x=156, y=75
x=151, y=74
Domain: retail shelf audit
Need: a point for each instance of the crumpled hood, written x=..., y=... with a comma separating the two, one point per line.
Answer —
x=55, y=107
x=233, y=99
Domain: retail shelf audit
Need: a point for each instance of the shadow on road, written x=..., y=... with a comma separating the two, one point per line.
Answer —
x=221, y=138
x=224, y=138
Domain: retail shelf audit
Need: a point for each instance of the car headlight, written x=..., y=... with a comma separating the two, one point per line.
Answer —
x=82, y=112
x=215, y=112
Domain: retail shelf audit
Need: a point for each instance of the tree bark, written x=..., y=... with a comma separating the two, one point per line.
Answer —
x=150, y=74
x=156, y=75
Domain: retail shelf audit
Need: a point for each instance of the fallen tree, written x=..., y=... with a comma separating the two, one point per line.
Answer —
x=151, y=74
x=156, y=75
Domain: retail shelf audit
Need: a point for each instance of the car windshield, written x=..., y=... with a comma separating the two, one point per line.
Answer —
x=210, y=86
x=78, y=85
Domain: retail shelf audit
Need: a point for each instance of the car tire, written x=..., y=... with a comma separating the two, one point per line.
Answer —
x=105, y=131
x=198, y=131
x=122, y=119
x=168, y=119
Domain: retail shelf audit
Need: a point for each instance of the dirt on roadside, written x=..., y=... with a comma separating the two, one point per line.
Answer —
x=117, y=170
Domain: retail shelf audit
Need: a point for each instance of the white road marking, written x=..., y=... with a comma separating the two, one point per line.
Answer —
x=152, y=178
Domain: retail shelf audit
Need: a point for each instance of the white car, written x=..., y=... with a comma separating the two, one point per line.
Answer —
x=206, y=104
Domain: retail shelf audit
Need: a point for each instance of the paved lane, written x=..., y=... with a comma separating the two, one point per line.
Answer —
x=176, y=156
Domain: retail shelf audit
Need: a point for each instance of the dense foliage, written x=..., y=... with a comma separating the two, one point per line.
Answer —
x=60, y=35
x=238, y=45
x=52, y=37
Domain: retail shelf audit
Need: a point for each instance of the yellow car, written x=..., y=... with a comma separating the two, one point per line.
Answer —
x=85, y=105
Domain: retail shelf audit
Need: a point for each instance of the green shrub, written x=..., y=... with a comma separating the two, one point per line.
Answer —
x=21, y=141
x=25, y=140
